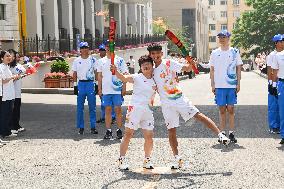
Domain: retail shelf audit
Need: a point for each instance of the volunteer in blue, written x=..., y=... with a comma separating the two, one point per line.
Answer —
x=278, y=69
x=273, y=108
x=84, y=68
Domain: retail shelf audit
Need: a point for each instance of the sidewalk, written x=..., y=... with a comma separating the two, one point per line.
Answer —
x=70, y=91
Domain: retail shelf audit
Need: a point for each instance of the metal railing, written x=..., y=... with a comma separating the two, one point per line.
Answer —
x=36, y=46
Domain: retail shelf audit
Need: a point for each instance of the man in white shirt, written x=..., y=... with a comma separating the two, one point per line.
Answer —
x=273, y=108
x=173, y=101
x=110, y=89
x=131, y=65
x=225, y=74
x=278, y=69
x=84, y=68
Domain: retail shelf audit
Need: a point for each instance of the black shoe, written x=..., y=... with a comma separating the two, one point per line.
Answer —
x=101, y=120
x=277, y=130
x=108, y=135
x=119, y=134
x=81, y=131
x=232, y=138
x=94, y=131
x=282, y=141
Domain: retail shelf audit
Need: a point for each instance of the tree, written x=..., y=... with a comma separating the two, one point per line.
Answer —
x=255, y=29
x=160, y=25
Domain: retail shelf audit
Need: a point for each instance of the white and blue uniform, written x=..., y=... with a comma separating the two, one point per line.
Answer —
x=273, y=108
x=225, y=75
x=85, y=69
x=111, y=85
x=278, y=64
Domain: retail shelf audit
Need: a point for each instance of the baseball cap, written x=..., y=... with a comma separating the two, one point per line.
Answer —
x=278, y=37
x=84, y=44
x=224, y=33
x=102, y=47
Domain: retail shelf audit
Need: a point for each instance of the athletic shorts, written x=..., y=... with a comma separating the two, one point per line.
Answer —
x=225, y=96
x=139, y=117
x=112, y=100
x=171, y=113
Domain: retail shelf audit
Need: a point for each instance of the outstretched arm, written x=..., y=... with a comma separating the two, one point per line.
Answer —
x=123, y=78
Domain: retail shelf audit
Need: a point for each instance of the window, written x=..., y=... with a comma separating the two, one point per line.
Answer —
x=236, y=2
x=236, y=14
x=223, y=2
x=212, y=39
x=211, y=2
x=211, y=14
x=224, y=14
x=212, y=27
x=2, y=12
x=224, y=27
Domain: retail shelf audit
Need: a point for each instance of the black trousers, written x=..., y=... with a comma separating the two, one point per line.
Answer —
x=16, y=113
x=5, y=117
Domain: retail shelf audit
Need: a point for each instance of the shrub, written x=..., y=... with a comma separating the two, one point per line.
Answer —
x=59, y=66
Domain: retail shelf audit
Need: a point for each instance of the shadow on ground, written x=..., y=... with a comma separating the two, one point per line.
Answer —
x=55, y=121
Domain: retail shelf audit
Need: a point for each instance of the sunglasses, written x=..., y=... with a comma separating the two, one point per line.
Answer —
x=84, y=48
x=222, y=37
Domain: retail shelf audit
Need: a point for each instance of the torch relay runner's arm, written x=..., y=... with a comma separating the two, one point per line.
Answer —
x=123, y=78
x=187, y=67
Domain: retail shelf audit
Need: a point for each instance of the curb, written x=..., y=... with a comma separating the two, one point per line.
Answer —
x=260, y=74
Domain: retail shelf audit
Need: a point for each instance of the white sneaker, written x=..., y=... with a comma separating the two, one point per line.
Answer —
x=12, y=135
x=21, y=129
x=147, y=164
x=14, y=131
x=223, y=139
x=177, y=163
x=123, y=164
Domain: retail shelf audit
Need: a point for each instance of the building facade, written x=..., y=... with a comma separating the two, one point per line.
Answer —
x=223, y=14
x=189, y=14
x=9, y=26
x=62, y=18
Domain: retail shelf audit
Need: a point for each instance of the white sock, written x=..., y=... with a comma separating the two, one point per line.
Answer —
x=122, y=157
x=231, y=132
x=177, y=157
x=117, y=129
x=147, y=158
x=270, y=82
x=109, y=130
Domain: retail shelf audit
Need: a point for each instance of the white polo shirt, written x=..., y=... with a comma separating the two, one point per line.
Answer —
x=110, y=83
x=225, y=63
x=270, y=57
x=85, y=68
x=278, y=64
x=8, y=92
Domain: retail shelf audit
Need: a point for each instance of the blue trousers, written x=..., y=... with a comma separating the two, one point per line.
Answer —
x=280, y=88
x=86, y=89
x=273, y=112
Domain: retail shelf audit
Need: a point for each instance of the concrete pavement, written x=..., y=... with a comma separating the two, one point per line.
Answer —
x=50, y=154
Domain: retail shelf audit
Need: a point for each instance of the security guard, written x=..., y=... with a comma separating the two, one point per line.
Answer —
x=278, y=69
x=273, y=110
x=84, y=68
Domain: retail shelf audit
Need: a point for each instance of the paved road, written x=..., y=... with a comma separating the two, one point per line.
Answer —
x=50, y=154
